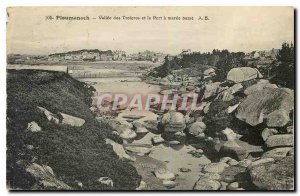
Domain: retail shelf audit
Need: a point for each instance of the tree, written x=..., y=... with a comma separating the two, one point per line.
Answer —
x=284, y=72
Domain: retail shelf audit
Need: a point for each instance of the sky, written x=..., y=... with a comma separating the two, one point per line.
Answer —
x=234, y=28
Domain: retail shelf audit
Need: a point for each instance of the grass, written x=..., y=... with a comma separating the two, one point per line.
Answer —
x=74, y=153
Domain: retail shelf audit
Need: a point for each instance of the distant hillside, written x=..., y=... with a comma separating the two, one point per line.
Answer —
x=76, y=154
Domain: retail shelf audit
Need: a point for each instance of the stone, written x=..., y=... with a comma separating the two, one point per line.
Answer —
x=125, y=132
x=233, y=186
x=169, y=183
x=267, y=133
x=203, y=160
x=196, y=153
x=197, y=128
x=207, y=184
x=277, y=153
x=215, y=167
x=242, y=74
x=157, y=140
x=260, y=85
x=213, y=176
x=30, y=147
x=184, y=170
x=141, y=130
x=258, y=105
x=228, y=93
x=120, y=151
x=261, y=161
x=232, y=162
x=231, y=149
x=164, y=174
x=231, y=109
x=209, y=72
x=142, y=186
x=228, y=134
x=211, y=90
x=290, y=129
x=245, y=163
x=33, y=127
x=45, y=177
x=225, y=159
x=173, y=143
x=190, y=88
x=206, y=107
x=106, y=181
x=278, y=118
x=139, y=150
x=280, y=140
x=50, y=116
x=152, y=125
x=173, y=122
x=74, y=121
x=274, y=175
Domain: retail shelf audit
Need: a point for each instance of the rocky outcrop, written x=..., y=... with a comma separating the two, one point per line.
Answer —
x=45, y=177
x=242, y=74
x=258, y=105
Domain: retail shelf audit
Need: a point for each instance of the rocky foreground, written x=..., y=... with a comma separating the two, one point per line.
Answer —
x=242, y=139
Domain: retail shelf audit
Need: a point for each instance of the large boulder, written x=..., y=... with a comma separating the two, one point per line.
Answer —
x=241, y=74
x=173, y=122
x=45, y=177
x=260, y=85
x=274, y=176
x=280, y=140
x=258, y=105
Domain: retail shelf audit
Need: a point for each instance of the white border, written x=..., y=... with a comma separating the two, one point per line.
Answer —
x=9, y=3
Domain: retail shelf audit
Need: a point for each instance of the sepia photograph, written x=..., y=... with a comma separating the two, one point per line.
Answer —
x=150, y=98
